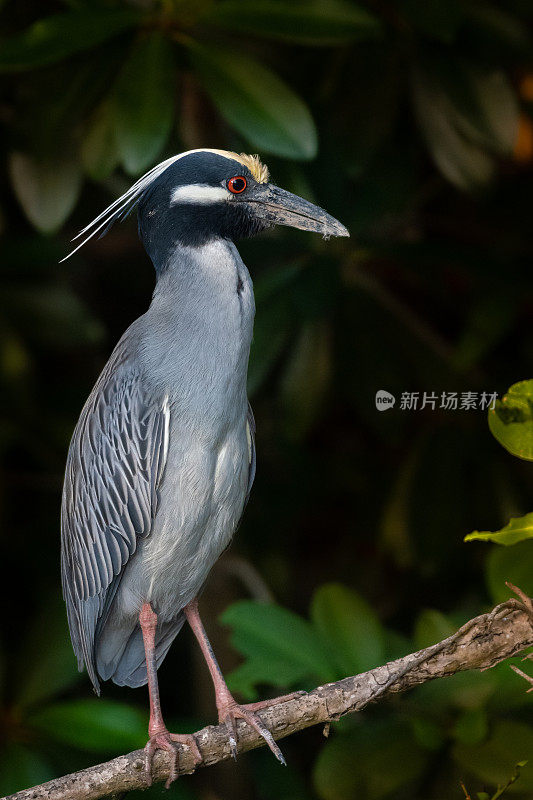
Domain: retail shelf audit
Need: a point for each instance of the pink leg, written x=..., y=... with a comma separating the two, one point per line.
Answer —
x=228, y=708
x=160, y=738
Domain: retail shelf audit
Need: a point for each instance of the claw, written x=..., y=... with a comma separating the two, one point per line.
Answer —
x=163, y=740
x=235, y=711
x=231, y=727
x=233, y=746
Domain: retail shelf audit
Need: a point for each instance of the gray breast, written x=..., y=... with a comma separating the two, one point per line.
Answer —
x=194, y=354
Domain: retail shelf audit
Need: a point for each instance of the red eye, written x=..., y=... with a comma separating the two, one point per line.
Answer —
x=237, y=184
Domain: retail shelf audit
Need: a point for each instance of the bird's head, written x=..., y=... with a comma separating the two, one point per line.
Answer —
x=201, y=195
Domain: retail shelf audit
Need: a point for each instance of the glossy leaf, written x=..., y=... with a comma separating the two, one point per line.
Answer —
x=464, y=690
x=490, y=319
x=375, y=760
x=462, y=162
x=47, y=191
x=56, y=37
x=481, y=103
x=256, y=102
x=59, y=317
x=471, y=727
x=516, y=530
x=143, y=103
x=306, y=378
x=280, y=647
x=271, y=332
x=55, y=669
x=275, y=282
x=492, y=119
x=428, y=734
x=21, y=767
x=99, y=149
x=440, y=21
x=350, y=626
x=514, y=564
x=493, y=760
x=319, y=24
x=431, y=627
x=511, y=420
x=96, y=725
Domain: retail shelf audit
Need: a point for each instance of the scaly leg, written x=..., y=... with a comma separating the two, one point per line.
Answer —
x=228, y=708
x=160, y=738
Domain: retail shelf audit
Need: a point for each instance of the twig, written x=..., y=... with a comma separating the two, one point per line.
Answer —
x=480, y=644
x=523, y=675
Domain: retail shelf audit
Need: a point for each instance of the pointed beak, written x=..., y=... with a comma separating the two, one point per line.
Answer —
x=275, y=206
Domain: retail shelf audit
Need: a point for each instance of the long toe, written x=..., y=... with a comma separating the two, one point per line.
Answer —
x=171, y=742
x=188, y=741
x=261, y=704
x=253, y=719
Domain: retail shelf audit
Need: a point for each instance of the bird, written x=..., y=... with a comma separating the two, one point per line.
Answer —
x=162, y=459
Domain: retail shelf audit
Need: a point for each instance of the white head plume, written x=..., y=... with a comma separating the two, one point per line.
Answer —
x=121, y=207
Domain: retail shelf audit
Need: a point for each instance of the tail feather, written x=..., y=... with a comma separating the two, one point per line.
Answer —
x=120, y=654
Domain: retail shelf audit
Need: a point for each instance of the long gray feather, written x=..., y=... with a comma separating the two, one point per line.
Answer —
x=114, y=468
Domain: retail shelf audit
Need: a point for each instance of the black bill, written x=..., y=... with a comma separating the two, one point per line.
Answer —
x=278, y=207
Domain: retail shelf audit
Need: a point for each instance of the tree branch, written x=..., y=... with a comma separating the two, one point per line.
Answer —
x=480, y=644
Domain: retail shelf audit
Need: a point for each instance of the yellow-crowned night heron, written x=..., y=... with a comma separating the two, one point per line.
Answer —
x=162, y=459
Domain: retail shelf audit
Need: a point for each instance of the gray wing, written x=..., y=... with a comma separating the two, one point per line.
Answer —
x=114, y=467
x=250, y=432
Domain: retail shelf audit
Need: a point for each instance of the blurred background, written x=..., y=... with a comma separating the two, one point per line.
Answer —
x=412, y=122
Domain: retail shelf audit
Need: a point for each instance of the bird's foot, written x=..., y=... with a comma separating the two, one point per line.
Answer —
x=171, y=742
x=229, y=711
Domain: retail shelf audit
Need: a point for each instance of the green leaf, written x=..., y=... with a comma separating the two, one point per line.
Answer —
x=434, y=18
x=464, y=690
x=280, y=647
x=510, y=693
x=47, y=191
x=428, y=734
x=493, y=760
x=319, y=24
x=395, y=530
x=275, y=282
x=271, y=331
x=273, y=782
x=471, y=727
x=21, y=767
x=490, y=318
x=56, y=37
x=374, y=760
x=350, y=626
x=334, y=775
x=95, y=725
x=499, y=26
x=514, y=564
x=461, y=161
x=306, y=378
x=143, y=103
x=516, y=530
x=99, y=152
x=511, y=420
x=432, y=627
x=256, y=102
x=272, y=322
x=493, y=116
x=55, y=668
x=481, y=103
x=57, y=315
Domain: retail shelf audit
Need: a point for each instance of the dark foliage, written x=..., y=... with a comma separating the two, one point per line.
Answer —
x=412, y=123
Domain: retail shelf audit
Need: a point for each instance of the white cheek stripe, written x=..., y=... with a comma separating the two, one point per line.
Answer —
x=199, y=193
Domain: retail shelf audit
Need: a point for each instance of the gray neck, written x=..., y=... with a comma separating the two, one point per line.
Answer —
x=202, y=318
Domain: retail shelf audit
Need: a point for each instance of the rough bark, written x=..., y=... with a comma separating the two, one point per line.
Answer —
x=480, y=644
